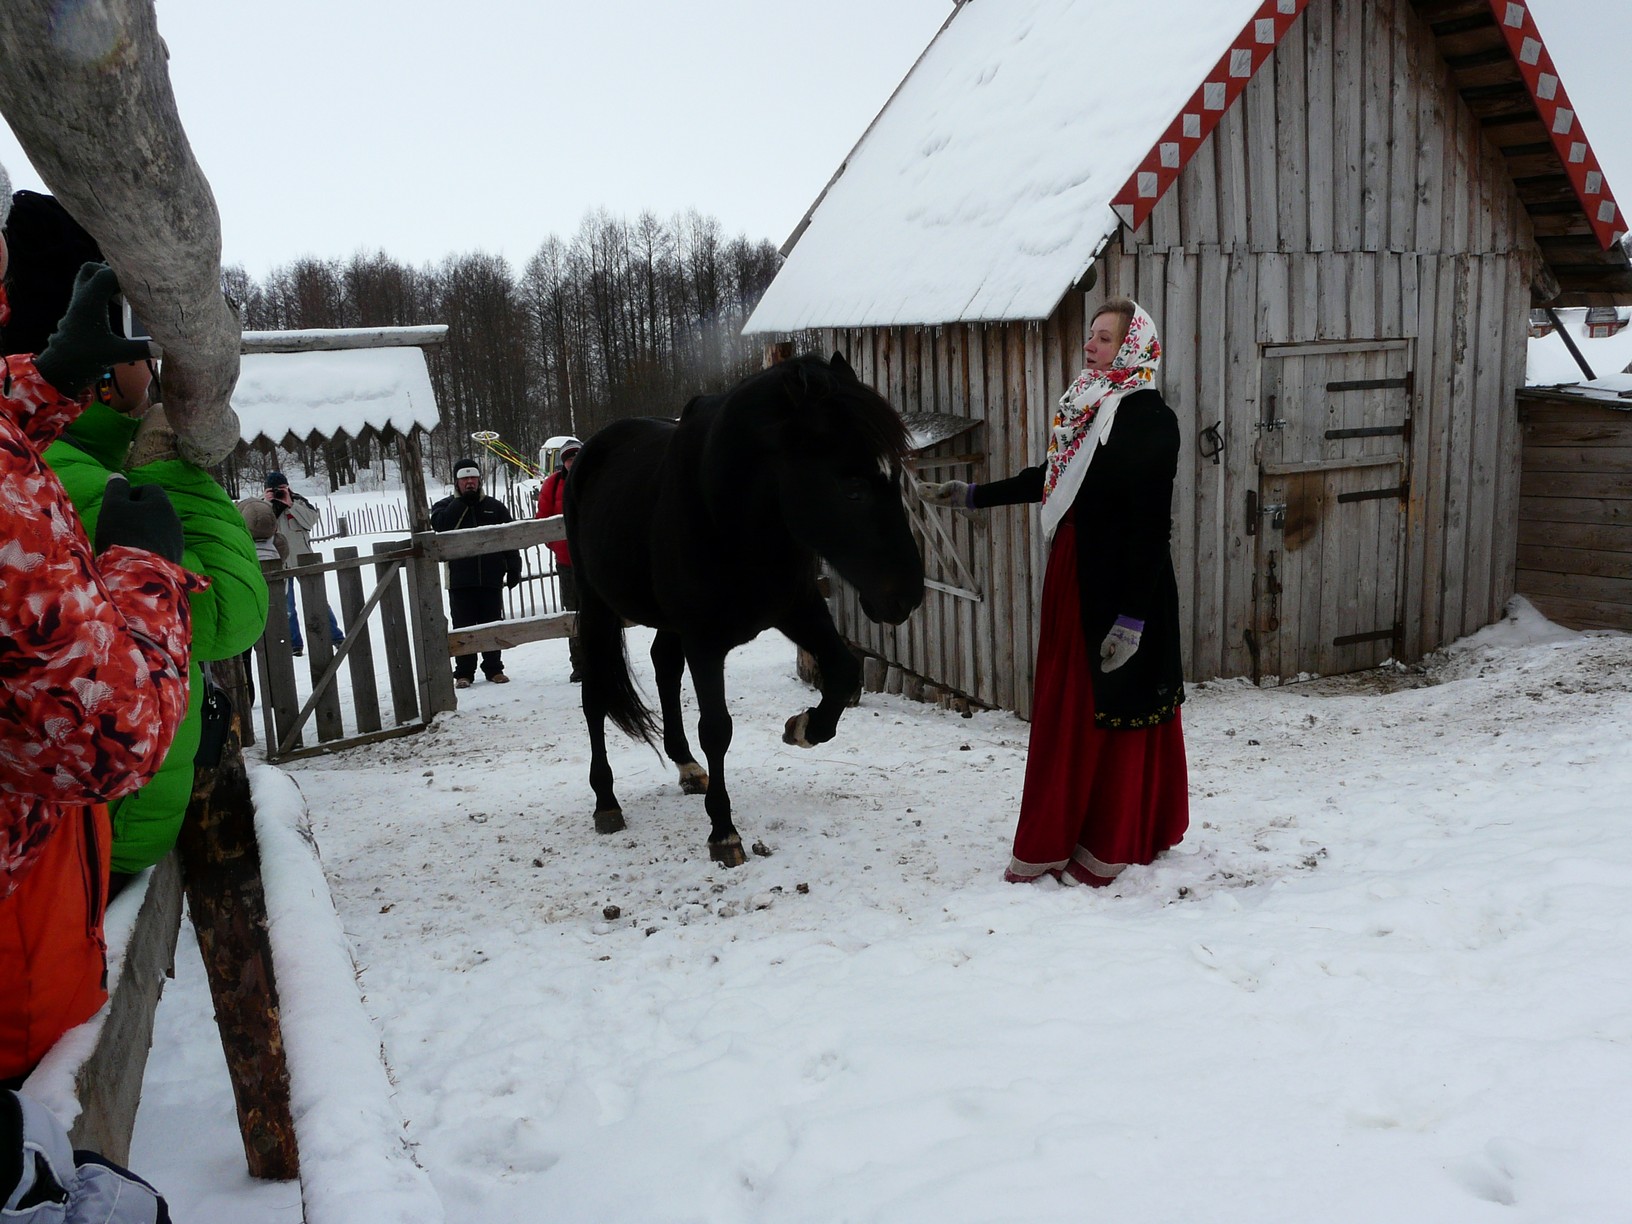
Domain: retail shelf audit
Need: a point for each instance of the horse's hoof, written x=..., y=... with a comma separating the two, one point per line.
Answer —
x=693, y=779
x=727, y=853
x=610, y=821
x=793, y=732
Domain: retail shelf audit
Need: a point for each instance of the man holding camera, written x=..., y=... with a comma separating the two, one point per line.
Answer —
x=296, y=517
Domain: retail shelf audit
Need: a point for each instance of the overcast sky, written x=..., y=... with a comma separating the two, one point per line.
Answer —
x=422, y=128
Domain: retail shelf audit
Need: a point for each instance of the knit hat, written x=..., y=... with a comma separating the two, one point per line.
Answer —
x=276, y=480
x=466, y=467
x=47, y=247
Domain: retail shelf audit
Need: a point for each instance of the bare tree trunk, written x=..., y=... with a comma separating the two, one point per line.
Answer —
x=86, y=90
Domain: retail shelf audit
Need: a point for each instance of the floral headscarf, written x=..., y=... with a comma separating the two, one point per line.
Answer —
x=1087, y=410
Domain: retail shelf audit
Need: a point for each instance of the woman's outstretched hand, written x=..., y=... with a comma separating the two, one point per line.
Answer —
x=954, y=493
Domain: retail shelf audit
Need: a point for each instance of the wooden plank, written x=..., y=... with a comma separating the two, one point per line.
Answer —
x=1229, y=140
x=1591, y=485
x=1419, y=289
x=314, y=607
x=1604, y=459
x=1607, y=429
x=1198, y=193
x=1289, y=74
x=1580, y=613
x=1348, y=125
x=1027, y=555
x=1554, y=558
x=1593, y=537
x=501, y=537
x=1203, y=570
x=1376, y=105
x=108, y=1084
x=1588, y=511
x=1515, y=271
x=1463, y=304
x=399, y=658
x=1406, y=91
x=1320, y=65
x=985, y=688
x=1178, y=386
x=1491, y=402
x=968, y=620
x=1263, y=215
x=279, y=698
x=429, y=622
x=1597, y=588
x=1242, y=377
x=1332, y=348
x=365, y=696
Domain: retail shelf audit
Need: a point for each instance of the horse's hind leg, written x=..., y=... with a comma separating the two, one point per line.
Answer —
x=714, y=734
x=608, y=812
x=669, y=658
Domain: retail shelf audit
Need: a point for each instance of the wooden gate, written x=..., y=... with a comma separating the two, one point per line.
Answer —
x=1329, y=510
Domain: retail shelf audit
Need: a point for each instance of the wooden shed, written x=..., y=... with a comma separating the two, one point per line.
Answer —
x=1575, y=487
x=1339, y=212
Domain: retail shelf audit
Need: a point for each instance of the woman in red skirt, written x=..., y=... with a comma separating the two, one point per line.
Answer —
x=1106, y=781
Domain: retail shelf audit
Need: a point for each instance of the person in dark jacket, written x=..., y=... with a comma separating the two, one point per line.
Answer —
x=475, y=594
x=1106, y=777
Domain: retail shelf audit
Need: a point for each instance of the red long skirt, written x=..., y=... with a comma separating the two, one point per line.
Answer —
x=1095, y=800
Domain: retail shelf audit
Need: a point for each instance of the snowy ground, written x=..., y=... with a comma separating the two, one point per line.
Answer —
x=1383, y=978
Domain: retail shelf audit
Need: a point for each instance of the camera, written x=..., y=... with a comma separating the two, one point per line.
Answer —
x=130, y=322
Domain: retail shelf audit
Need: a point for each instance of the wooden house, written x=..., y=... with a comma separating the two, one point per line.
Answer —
x=1339, y=213
x=1604, y=321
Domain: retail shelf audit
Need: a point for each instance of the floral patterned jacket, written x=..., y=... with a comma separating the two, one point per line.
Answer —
x=93, y=650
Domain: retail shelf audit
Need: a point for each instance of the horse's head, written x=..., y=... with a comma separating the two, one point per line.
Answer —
x=838, y=459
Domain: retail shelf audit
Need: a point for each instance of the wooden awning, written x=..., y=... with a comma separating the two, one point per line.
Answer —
x=1503, y=72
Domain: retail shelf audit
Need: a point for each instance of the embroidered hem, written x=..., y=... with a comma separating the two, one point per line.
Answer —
x=1134, y=722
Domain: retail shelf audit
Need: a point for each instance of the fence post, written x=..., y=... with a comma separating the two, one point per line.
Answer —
x=365, y=696
x=278, y=680
x=399, y=655
x=314, y=598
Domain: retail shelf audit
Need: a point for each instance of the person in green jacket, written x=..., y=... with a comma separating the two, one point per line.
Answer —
x=230, y=616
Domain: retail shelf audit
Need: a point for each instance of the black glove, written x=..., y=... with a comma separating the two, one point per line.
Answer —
x=84, y=346
x=139, y=518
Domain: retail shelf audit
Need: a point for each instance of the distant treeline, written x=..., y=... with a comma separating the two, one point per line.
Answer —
x=622, y=319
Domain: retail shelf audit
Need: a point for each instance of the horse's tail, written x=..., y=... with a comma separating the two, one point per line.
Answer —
x=605, y=664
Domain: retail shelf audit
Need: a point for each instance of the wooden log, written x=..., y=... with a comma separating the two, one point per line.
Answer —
x=912, y=686
x=278, y=694
x=872, y=674
x=893, y=678
x=77, y=112
x=330, y=339
x=506, y=635
x=221, y=866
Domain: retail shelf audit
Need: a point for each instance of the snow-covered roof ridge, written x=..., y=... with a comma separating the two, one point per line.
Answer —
x=1008, y=158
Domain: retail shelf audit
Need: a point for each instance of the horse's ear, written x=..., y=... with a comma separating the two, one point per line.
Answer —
x=840, y=364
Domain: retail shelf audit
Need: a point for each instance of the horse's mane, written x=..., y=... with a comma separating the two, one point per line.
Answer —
x=856, y=404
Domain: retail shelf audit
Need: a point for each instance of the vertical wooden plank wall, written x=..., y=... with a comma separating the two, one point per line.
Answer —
x=1349, y=195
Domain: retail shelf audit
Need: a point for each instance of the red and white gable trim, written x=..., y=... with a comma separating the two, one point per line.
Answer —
x=1228, y=80
x=1541, y=78
x=1223, y=85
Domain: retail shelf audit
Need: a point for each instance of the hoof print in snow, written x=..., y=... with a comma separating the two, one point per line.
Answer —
x=761, y=849
x=611, y=912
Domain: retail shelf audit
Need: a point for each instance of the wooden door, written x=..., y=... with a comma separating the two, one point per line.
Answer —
x=1329, y=510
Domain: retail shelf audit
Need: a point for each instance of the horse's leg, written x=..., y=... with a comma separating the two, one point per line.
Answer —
x=810, y=627
x=714, y=734
x=669, y=658
x=608, y=812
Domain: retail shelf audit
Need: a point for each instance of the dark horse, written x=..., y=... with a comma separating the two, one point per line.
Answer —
x=708, y=529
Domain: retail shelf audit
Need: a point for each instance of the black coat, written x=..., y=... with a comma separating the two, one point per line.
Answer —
x=1124, y=526
x=492, y=569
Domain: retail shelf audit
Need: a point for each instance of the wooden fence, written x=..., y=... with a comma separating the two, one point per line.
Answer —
x=390, y=609
x=1575, y=509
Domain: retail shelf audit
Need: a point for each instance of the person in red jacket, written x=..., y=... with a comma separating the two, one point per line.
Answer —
x=550, y=496
x=93, y=677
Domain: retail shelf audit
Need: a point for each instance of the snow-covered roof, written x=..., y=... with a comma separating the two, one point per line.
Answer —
x=1017, y=146
x=333, y=392
x=1548, y=362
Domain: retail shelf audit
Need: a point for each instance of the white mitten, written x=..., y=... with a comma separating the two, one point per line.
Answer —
x=953, y=493
x=1120, y=643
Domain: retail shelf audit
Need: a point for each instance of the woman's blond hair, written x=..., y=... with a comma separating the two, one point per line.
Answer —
x=1123, y=308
